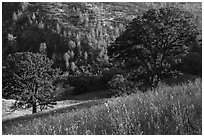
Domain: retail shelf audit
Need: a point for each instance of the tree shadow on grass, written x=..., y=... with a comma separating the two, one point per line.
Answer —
x=68, y=94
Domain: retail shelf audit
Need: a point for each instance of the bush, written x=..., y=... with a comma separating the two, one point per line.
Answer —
x=82, y=83
x=119, y=85
x=192, y=64
x=108, y=74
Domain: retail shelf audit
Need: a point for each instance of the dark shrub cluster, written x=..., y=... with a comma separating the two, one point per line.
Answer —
x=88, y=82
x=119, y=85
x=82, y=83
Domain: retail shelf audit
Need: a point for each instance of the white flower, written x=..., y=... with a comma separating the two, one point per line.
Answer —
x=11, y=37
x=106, y=104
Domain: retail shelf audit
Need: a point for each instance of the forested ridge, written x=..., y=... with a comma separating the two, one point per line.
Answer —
x=74, y=34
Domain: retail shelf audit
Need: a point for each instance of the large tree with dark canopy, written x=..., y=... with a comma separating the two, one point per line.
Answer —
x=29, y=78
x=154, y=43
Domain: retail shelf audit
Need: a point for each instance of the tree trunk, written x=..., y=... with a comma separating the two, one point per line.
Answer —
x=34, y=108
x=34, y=102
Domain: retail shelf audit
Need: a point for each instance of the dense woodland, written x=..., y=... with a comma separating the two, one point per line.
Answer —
x=78, y=44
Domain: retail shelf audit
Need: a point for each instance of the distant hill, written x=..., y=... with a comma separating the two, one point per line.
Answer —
x=90, y=26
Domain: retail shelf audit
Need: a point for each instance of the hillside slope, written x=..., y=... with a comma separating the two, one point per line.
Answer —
x=166, y=111
x=73, y=16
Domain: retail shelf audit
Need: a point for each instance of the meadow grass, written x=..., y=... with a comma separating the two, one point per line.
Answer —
x=166, y=110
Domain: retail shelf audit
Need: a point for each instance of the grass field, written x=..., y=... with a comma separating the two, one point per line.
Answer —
x=167, y=110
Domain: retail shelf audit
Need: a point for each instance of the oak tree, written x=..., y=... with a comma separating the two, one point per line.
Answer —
x=31, y=76
x=153, y=43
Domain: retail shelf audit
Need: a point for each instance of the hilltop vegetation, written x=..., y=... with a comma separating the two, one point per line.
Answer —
x=76, y=35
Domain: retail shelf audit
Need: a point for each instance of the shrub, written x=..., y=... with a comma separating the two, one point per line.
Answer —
x=82, y=83
x=107, y=74
x=119, y=85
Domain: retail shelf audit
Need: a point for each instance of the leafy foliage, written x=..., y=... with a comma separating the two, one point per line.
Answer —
x=153, y=43
x=119, y=85
x=72, y=33
x=31, y=75
x=192, y=63
x=89, y=27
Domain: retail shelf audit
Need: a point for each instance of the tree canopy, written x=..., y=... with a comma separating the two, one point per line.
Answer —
x=33, y=76
x=153, y=43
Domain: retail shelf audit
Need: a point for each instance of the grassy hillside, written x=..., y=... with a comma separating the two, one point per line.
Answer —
x=167, y=110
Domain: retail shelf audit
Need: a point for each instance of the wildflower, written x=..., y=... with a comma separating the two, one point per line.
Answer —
x=106, y=104
x=11, y=37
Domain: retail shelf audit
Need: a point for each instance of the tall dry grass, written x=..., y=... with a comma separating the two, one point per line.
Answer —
x=167, y=110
